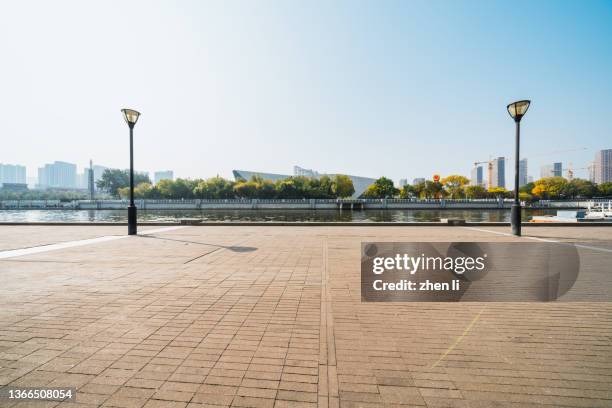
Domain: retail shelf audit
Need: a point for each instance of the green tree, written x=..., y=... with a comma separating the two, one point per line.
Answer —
x=549, y=187
x=289, y=188
x=214, y=188
x=51, y=194
x=381, y=188
x=246, y=189
x=605, y=189
x=498, y=192
x=407, y=191
x=526, y=188
x=475, y=192
x=454, y=185
x=266, y=189
x=419, y=189
x=313, y=188
x=579, y=188
x=343, y=186
x=177, y=189
x=524, y=196
x=114, y=179
x=433, y=189
x=141, y=191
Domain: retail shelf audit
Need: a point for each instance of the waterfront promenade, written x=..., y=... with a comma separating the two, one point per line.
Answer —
x=271, y=316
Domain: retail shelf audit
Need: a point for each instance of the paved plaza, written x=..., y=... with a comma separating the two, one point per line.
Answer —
x=271, y=316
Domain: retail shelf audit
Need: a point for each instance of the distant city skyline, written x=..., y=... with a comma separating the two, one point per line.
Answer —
x=495, y=172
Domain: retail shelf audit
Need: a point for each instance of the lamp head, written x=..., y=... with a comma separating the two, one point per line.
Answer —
x=518, y=109
x=130, y=116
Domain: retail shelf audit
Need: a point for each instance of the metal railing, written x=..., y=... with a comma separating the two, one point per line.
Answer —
x=312, y=202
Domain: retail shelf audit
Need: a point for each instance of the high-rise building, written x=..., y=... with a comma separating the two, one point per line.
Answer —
x=602, y=167
x=58, y=175
x=498, y=173
x=84, y=179
x=299, y=171
x=12, y=173
x=477, y=176
x=523, y=177
x=418, y=180
x=552, y=170
x=402, y=182
x=163, y=175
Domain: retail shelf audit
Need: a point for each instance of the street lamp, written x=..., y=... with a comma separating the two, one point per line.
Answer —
x=517, y=110
x=131, y=117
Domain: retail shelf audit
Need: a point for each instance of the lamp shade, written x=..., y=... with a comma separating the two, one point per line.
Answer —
x=130, y=116
x=518, y=109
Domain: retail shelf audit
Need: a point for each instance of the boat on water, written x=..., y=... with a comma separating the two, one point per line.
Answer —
x=599, y=211
x=595, y=212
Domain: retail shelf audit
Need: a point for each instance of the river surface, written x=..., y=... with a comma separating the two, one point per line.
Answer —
x=264, y=215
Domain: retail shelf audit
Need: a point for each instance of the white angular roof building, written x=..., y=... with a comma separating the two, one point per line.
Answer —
x=359, y=183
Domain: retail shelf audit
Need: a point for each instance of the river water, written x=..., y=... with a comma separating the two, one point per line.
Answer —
x=263, y=215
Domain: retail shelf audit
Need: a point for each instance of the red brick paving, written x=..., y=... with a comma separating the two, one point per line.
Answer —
x=272, y=317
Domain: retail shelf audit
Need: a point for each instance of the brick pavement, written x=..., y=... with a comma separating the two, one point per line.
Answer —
x=272, y=317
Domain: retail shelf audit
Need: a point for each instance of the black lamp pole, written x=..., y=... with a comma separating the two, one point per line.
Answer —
x=131, y=116
x=515, y=214
x=517, y=110
x=132, y=228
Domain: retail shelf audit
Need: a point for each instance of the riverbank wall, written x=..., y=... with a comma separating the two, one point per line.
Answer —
x=291, y=204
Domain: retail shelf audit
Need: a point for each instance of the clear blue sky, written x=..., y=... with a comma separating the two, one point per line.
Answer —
x=395, y=88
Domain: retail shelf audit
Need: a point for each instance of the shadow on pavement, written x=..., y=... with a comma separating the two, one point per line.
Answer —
x=233, y=248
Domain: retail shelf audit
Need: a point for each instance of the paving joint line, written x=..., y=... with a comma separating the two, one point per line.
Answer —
x=328, y=373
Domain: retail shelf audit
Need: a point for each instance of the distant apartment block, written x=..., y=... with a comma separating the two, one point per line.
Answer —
x=477, y=176
x=83, y=178
x=523, y=177
x=58, y=175
x=418, y=180
x=299, y=171
x=602, y=167
x=163, y=175
x=498, y=173
x=552, y=170
x=403, y=182
x=12, y=173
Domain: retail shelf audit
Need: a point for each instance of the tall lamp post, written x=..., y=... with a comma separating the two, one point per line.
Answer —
x=131, y=117
x=517, y=110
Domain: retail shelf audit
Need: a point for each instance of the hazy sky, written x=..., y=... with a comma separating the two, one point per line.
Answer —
x=371, y=88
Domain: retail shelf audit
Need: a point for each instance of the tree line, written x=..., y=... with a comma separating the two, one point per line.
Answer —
x=457, y=187
x=551, y=188
x=453, y=186
x=116, y=183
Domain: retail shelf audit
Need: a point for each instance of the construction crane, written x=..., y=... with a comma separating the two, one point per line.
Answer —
x=570, y=170
x=489, y=164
